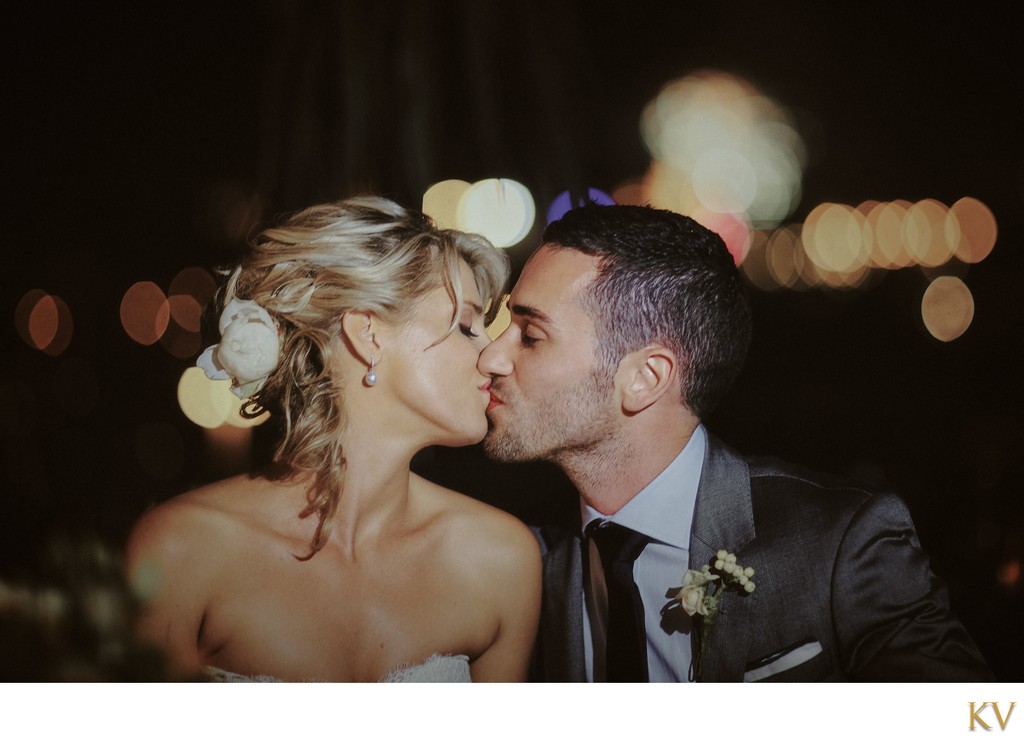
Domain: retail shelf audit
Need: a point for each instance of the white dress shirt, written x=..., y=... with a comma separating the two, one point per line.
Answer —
x=663, y=510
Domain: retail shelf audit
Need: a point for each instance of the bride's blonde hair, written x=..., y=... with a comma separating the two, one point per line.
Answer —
x=365, y=253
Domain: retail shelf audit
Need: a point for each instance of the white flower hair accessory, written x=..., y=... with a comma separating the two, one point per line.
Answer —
x=248, y=351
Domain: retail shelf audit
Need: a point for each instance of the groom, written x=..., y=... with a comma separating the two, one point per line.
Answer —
x=628, y=325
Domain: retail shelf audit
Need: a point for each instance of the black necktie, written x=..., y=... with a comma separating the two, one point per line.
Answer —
x=626, y=647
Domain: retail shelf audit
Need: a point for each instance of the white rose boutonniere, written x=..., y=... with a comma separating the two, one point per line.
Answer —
x=694, y=591
x=248, y=351
x=700, y=596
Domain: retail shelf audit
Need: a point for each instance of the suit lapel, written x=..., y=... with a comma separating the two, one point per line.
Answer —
x=723, y=519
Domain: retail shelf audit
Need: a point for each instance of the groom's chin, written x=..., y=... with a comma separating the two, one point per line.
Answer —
x=497, y=447
x=490, y=443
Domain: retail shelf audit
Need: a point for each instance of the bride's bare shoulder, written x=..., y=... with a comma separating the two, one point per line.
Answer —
x=203, y=519
x=491, y=554
x=474, y=523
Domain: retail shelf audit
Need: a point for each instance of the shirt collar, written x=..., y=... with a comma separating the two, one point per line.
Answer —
x=663, y=510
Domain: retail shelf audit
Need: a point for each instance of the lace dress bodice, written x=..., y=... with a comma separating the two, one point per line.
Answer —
x=438, y=668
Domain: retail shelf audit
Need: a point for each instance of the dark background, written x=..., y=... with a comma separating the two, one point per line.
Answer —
x=139, y=139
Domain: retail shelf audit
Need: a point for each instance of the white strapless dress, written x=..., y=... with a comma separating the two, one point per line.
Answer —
x=438, y=668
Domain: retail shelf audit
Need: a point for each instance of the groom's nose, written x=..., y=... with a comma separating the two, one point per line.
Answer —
x=494, y=360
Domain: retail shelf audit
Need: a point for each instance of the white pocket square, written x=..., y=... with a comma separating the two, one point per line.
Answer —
x=782, y=661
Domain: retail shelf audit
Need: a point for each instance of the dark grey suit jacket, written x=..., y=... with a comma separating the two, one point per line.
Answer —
x=844, y=590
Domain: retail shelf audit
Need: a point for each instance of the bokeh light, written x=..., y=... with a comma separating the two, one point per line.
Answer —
x=833, y=238
x=929, y=238
x=785, y=258
x=668, y=188
x=978, y=230
x=630, y=193
x=947, y=308
x=186, y=311
x=568, y=200
x=179, y=342
x=1009, y=573
x=886, y=222
x=145, y=312
x=755, y=263
x=441, y=202
x=849, y=279
x=51, y=325
x=732, y=228
x=839, y=241
x=200, y=401
x=23, y=312
x=44, y=322
x=190, y=291
x=842, y=247
x=210, y=403
x=729, y=147
x=724, y=181
x=501, y=210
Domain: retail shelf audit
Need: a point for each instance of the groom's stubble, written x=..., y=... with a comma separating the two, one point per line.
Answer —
x=557, y=425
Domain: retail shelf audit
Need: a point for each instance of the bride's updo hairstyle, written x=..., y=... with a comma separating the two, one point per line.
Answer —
x=365, y=253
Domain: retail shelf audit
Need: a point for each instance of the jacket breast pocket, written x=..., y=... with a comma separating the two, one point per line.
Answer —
x=805, y=661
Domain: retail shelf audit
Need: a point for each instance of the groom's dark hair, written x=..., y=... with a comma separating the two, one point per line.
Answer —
x=662, y=279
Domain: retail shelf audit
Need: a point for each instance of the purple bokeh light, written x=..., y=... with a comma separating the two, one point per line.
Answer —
x=572, y=199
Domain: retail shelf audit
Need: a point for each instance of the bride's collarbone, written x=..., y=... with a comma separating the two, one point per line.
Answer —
x=337, y=618
x=351, y=629
x=351, y=652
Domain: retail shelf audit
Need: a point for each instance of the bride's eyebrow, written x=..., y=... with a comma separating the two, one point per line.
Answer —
x=474, y=307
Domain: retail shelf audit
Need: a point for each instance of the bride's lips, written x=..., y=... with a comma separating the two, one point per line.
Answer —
x=492, y=399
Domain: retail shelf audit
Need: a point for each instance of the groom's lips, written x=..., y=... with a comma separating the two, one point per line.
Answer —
x=495, y=401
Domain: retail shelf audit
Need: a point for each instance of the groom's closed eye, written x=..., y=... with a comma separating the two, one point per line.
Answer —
x=529, y=332
x=529, y=335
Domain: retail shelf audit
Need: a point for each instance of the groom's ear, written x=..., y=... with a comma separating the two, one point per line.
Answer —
x=646, y=376
x=359, y=329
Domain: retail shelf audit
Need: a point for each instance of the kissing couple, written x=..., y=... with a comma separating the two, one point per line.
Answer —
x=361, y=326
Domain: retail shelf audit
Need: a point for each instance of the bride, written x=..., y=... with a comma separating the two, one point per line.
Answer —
x=358, y=324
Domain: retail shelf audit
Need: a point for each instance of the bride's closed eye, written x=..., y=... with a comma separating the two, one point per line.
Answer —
x=468, y=331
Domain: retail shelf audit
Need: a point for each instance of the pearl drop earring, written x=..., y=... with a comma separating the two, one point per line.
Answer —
x=371, y=375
